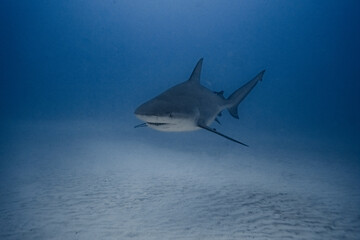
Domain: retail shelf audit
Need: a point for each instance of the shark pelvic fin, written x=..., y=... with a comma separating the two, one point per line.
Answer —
x=195, y=75
x=220, y=134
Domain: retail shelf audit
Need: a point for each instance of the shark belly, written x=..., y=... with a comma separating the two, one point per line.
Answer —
x=170, y=124
x=174, y=126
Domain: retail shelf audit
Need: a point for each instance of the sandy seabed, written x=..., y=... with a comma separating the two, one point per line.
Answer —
x=81, y=180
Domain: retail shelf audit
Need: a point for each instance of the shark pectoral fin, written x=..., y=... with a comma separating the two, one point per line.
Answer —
x=220, y=134
x=141, y=125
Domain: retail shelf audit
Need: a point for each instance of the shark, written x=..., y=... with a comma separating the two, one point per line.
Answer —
x=190, y=106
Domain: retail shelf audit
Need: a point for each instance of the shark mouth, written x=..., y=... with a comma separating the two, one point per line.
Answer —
x=156, y=124
x=151, y=123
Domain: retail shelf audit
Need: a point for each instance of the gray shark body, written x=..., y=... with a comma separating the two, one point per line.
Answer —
x=190, y=106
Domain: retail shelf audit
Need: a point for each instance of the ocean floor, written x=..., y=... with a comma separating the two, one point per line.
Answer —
x=93, y=180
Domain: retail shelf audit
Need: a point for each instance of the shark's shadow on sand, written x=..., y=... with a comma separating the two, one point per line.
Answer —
x=190, y=106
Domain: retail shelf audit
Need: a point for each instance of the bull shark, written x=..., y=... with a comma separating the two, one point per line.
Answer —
x=190, y=106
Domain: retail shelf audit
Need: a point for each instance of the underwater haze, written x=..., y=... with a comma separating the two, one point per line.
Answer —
x=72, y=165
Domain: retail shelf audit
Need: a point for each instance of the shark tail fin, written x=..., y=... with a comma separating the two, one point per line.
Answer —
x=235, y=99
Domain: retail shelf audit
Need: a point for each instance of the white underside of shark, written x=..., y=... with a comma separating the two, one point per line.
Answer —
x=190, y=106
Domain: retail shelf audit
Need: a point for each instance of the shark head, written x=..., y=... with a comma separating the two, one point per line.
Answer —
x=164, y=116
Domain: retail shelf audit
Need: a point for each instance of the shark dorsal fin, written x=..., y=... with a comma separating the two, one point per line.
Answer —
x=195, y=75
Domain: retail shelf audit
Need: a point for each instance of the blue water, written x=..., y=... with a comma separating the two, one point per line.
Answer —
x=72, y=165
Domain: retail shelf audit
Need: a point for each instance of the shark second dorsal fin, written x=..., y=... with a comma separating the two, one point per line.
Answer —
x=220, y=94
x=195, y=75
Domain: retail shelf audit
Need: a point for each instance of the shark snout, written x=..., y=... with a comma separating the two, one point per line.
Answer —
x=138, y=111
x=142, y=111
x=144, y=114
x=141, y=114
